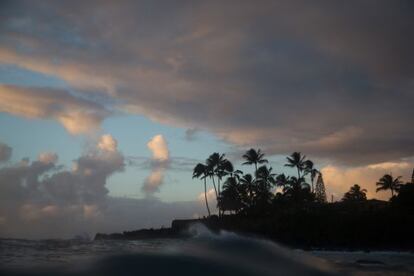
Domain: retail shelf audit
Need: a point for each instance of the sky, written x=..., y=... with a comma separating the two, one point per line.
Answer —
x=106, y=106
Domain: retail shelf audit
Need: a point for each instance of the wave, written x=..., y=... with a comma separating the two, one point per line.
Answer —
x=206, y=253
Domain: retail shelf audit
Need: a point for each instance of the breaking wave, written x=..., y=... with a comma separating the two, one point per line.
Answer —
x=206, y=253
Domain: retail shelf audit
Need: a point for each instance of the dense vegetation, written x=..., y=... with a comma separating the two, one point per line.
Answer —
x=246, y=193
x=294, y=209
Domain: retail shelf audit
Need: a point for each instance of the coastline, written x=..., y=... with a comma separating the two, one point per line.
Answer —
x=180, y=230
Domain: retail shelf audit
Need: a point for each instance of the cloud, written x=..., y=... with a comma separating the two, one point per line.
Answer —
x=211, y=197
x=48, y=158
x=120, y=214
x=42, y=194
x=77, y=115
x=153, y=182
x=5, y=152
x=41, y=199
x=316, y=77
x=190, y=134
x=174, y=163
x=159, y=148
x=108, y=143
x=338, y=180
x=160, y=161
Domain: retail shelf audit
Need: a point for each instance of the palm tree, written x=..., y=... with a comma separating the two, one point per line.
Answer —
x=355, y=194
x=297, y=189
x=254, y=157
x=220, y=167
x=296, y=160
x=282, y=180
x=248, y=184
x=211, y=174
x=227, y=169
x=265, y=180
x=201, y=171
x=265, y=175
x=216, y=163
x=310, y=169
x=387, y=182
x=231, y=196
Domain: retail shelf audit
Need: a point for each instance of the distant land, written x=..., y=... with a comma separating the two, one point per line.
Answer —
x=373, y=225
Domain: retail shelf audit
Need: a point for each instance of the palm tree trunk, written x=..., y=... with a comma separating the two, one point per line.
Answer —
x=251, y=188
x=217, y=195
x=218, y=185
x=251, y=194
x=298, y=172
x=219, y=192
x=312, y=179
x=215, y=188
x=205, y=196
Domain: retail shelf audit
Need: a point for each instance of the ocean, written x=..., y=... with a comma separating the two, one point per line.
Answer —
x=203, y=254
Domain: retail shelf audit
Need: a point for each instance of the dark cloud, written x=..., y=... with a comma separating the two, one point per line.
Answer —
x=191, y=134
x=174, y=163
x=329, y=78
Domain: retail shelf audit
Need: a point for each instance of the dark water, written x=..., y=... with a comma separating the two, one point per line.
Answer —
x=204, y=254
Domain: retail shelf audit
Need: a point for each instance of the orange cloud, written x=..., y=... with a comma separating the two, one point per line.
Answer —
x=48, y=157
x=77, y=115
x=160, y=155
x=338, y=180
x=107, y=143
x=159, y=148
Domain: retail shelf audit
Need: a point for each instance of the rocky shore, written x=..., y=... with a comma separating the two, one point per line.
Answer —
x=177, y=230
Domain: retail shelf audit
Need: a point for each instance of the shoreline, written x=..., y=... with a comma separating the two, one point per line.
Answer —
x=180, y=230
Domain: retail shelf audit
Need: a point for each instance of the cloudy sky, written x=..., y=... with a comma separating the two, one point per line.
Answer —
x=105, y=106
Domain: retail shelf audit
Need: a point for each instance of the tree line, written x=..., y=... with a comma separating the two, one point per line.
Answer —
x=241, y=193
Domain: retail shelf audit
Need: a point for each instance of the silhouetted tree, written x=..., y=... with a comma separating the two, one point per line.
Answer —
x=211, y=174
x=282, y=180
x=412, y=177
x=310, y=169
x=231, y=196
x=296, y=160
x=297, y=190
x=405, y=197
x=254, y=157
x=201, y=171
x=220, y=167
x=248, y=184
x=265, y=180
x=228, y=169
x=355, y=194
x=320, y=193
x=215, y=162
x=387, y=182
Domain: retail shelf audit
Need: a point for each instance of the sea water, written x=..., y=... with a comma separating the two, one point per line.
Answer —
x=204, y=253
